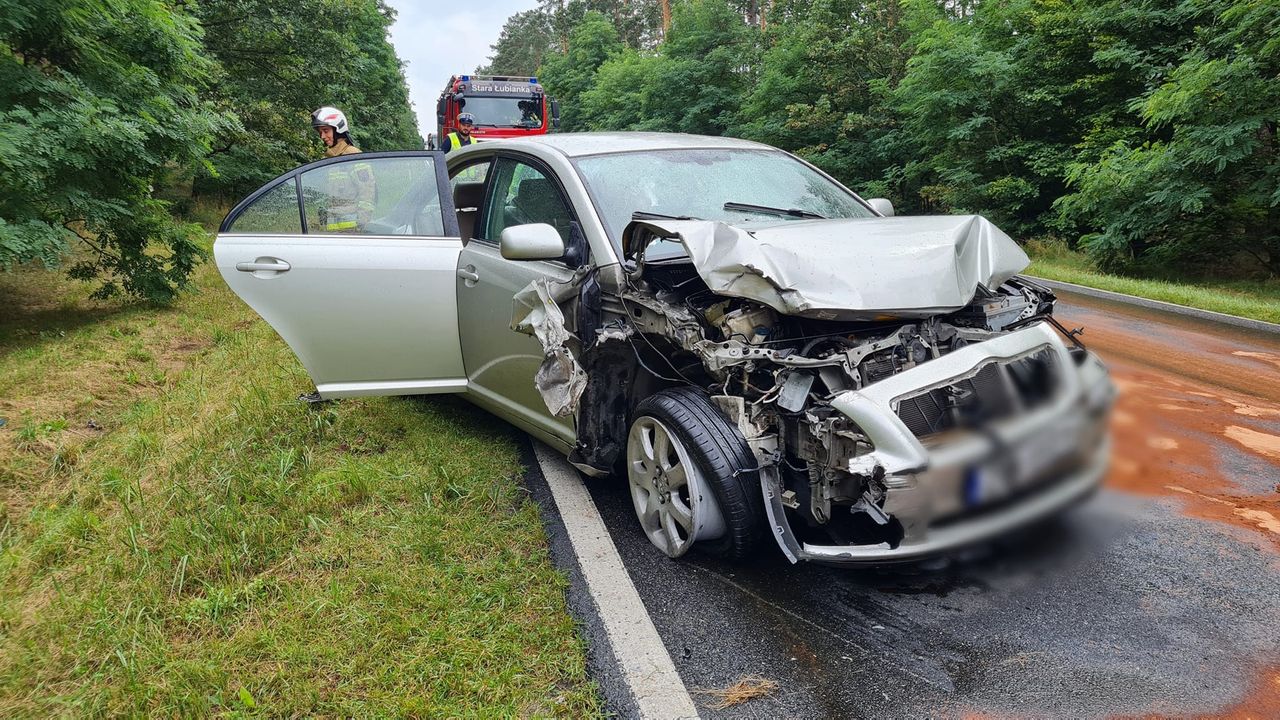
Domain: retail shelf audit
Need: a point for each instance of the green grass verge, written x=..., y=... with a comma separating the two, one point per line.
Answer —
x=1248, y=299
x=179, y=536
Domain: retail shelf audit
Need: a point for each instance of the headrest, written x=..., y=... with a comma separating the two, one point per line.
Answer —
x=536, y=192
x=468, y=195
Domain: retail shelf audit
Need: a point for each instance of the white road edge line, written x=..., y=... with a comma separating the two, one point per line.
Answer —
x=656, y=686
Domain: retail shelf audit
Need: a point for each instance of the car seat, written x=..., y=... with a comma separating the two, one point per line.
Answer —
x=467, y=197
x=538, y=201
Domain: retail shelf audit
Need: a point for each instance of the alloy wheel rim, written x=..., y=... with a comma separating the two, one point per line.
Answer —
x=670, y=495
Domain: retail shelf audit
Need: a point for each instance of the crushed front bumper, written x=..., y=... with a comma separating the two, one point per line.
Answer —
x=961, y=487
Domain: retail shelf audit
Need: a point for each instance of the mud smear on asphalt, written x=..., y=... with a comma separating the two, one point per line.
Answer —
x=1259, y=442
x=1264, y=356
x=1263, y=701
x=1175, y=454
x=1187, y=395
x=1226, y=358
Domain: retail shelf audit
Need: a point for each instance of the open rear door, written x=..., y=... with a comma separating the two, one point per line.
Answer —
x=352, y=260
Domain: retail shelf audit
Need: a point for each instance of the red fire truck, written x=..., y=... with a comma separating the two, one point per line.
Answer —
x=504, y=107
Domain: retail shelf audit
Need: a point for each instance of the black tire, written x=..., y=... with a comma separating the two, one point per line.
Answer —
x=717, y=447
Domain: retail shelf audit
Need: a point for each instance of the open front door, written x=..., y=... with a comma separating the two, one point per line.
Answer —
x=352, y=260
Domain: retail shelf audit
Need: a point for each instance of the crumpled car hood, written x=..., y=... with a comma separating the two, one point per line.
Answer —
x=859, y=268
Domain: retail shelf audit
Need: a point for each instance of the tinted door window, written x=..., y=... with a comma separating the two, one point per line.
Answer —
x=523, y=194
x=378, y=196
x=275, y=212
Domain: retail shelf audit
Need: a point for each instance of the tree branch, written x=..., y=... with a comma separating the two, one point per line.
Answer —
x=224, y=148
x=93, y=245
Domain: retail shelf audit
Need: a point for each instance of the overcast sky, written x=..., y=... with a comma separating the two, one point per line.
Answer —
x=437, y=39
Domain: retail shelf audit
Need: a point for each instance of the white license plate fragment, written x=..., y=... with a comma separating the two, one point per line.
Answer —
x=1018, y=466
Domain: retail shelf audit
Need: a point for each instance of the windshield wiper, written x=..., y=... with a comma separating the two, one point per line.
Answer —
x=780, y=212
x=646, y=215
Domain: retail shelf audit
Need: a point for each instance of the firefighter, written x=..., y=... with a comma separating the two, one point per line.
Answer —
x=331, y=124
x=351, y=193
x=462, y=137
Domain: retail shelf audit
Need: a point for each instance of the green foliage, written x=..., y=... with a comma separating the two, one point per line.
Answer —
x=693, y=83
x=279, y=62
x=1193, y=179
x=622, y=96
x=707, y=64
x=823, y=85
x=638, y=23
x=992, y=107
x=96, y=100
x=528, y=37
x=111, y=110
x=568, y=74
x=525, y=39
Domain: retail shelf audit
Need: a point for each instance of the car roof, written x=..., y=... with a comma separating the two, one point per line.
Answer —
x=596, y=143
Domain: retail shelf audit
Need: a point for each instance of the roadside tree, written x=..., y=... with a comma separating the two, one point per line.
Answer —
x=281, y=61
x=97, y=100
x=570, y=73
x=1189, y=178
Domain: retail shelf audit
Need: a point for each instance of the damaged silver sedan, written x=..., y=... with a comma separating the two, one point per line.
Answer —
x=754, y=348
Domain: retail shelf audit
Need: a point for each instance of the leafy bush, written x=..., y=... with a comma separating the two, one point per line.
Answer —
x=96, y=99
x=113, y=112
x=1193, y=180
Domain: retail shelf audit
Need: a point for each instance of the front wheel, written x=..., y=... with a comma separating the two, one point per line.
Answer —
x=692, y=477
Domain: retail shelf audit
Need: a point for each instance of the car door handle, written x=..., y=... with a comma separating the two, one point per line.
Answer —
x=468, y=275
x=274, y=266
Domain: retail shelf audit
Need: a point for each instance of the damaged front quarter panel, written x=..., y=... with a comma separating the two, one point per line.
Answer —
x=560, y=379
x=587, y=373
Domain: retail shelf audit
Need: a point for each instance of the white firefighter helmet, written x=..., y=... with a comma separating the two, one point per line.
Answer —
x=331, y=116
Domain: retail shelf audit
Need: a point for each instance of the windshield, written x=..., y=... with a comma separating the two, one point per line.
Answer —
x=697, y=183
x=505, y=111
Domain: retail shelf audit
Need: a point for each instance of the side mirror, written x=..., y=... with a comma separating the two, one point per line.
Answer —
x=882, y=206
x=537, y=241
x=555, y=114
x=431, y=141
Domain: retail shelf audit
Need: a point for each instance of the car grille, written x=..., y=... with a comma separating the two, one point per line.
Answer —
x=998, y=390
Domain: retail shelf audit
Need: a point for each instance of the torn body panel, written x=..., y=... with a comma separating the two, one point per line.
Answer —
x=560, y=379
x=587, y=373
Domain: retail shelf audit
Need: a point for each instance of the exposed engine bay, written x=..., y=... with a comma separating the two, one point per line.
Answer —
x=775, y=376
x=837, y=473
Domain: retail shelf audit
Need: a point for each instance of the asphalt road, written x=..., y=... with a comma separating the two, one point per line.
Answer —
x=1159, y=597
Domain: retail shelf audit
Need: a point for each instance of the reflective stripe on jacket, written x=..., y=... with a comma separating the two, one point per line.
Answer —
x=455, y=141
x=352, y=194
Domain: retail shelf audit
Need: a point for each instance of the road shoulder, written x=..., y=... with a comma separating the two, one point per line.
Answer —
x=1260, y=326
x=626, y=656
